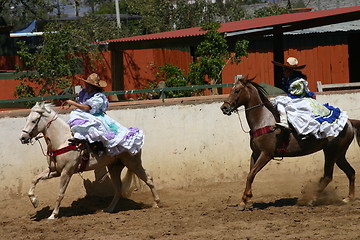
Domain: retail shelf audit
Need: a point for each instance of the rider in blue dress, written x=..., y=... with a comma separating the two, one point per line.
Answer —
x=90, y=122
x=306, y=115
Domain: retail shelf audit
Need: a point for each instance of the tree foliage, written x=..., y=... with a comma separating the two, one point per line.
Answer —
x=213, y=55
x=272, y=9
x=50, y=69
x=63, y=41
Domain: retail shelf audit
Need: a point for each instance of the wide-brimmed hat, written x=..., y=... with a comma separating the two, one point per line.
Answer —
x=95, y=80
x=291, y=63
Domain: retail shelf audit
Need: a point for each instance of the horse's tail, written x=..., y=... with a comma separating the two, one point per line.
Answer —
x=129, y=184
x=356, y=126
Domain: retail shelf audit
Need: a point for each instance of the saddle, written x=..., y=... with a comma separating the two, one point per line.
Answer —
x=97, y=148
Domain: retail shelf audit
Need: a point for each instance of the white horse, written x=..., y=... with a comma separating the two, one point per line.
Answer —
x=43, y=119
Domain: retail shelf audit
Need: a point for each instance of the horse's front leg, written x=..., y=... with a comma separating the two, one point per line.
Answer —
x=256, y=166
x=44, y=175
x=64, y=182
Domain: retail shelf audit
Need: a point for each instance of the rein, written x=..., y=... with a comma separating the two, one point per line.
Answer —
x=246, y=109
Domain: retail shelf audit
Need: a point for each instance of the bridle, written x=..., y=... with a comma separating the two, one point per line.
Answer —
x=37, y=122
x=245, y=109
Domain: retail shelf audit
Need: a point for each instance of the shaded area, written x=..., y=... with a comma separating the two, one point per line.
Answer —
x=283, y=202
x=89, y=205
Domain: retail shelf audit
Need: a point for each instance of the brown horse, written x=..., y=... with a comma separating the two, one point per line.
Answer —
x=268, y=141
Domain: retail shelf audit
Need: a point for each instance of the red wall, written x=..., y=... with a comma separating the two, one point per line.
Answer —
x=328, y=64
x=256, y=64
x=140, y=66
x=9, y=62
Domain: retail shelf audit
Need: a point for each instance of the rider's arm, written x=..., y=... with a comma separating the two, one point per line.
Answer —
x=82, y=107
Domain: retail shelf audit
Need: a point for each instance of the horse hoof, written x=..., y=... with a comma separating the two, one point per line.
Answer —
x=311, y=203
x=34, y=202
x=52, y=217
x=347, y=200
x=245, y=206
x=108, y=210
x=249, y=206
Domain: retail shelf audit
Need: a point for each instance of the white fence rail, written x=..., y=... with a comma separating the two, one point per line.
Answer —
x=338, y=86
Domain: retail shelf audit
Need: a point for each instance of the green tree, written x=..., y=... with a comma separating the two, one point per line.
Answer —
x=272, y=9
x=20, y=12
x=50, y=69
x=213, y=55
x=173, y=76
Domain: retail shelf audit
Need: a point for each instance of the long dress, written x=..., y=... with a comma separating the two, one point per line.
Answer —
x=306, y=115
x=96, y=126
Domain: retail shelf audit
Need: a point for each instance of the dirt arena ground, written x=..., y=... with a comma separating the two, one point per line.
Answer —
x=207, y=212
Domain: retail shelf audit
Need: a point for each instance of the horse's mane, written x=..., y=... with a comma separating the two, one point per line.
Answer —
x=263, y=96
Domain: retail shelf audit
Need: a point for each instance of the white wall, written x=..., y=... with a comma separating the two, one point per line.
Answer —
x=187, y=142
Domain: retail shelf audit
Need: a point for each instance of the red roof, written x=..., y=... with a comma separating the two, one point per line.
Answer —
x=248, y=24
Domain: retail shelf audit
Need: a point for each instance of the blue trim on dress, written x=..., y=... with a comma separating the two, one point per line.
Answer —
x=330, y=118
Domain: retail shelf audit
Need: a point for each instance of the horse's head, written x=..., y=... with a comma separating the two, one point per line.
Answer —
x=238, y=96
x=37, y=121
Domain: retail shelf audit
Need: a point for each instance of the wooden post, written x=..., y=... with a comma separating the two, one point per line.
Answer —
x=278, y=56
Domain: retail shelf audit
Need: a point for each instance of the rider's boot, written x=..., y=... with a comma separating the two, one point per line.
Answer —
x=76, y=141
x=98, y=148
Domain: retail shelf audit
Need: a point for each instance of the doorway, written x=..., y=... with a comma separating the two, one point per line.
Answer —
x=354, y=60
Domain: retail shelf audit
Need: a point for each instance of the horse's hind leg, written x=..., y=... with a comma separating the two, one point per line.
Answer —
x=115, y=171
x=46, y=174
x=330, y=157
x=344, y=165
x=134, y=164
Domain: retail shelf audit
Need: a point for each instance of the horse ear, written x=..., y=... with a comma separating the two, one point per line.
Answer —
x=237, y=78
x=41, y=104
x=48, y=107
x=251, y=79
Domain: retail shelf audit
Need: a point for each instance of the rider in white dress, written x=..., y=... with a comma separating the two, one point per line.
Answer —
x=301, y=110
x=90, y=122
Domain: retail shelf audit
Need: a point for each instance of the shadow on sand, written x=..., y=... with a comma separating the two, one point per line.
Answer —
x=89, y=205
x=278, y=203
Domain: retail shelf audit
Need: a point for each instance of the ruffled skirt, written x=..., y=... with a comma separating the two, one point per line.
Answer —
x=101, y=128
x=309, y=117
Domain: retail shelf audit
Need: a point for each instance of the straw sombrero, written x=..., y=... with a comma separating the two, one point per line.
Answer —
x=95, y=80
x=291, y=63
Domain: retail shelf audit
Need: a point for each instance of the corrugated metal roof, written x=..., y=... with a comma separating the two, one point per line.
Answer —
x=255, y=23
x=339, y=27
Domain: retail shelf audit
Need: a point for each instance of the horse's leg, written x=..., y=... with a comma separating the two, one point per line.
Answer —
x=46, y=174
x=258, y=164
x=115, y=171
x=344, y=165
x=330, y=157
x=253, y=158
x=64, y=182
x=134, y=164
